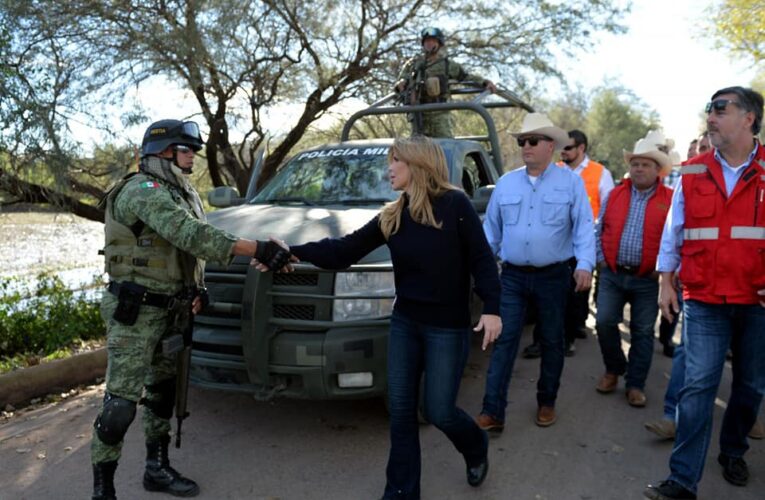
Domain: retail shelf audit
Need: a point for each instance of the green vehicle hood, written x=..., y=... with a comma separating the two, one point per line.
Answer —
x=296, y=224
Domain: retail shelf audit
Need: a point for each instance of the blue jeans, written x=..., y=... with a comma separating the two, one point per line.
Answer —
x=708, y=331
x=617, y=289
x=548, y=289
x=439, y=355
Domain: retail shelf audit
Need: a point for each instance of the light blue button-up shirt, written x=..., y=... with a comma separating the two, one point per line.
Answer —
x=672, y=236
x=542, y=223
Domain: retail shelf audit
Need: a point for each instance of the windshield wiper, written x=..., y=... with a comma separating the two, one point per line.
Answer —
x=291, y=199
x=363, y=201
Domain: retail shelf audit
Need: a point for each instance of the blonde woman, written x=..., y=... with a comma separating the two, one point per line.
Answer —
x=436, y=243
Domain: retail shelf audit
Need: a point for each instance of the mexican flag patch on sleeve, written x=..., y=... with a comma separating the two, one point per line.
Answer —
x=149, y=184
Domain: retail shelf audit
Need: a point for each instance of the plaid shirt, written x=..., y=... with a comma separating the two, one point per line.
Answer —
x=631, y=244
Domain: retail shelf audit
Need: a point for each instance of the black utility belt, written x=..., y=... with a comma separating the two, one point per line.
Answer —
x=145, y=297
x=533, y=269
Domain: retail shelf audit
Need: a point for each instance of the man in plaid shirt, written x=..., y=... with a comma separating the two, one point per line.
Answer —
x=628, y=234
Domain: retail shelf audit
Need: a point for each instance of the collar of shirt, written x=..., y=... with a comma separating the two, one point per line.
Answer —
x=644, y=193
x=581, y=166
x=727, y=165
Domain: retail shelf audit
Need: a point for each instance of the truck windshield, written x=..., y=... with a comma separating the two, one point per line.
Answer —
x=332, y=176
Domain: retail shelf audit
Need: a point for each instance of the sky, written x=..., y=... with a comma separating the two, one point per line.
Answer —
x=662, y=59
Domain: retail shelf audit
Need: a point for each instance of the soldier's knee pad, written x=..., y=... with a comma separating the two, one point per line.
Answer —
x=115, y=418
x=160, y=398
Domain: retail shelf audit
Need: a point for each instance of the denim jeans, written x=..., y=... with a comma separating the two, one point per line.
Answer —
x=439, y=355
x=708, y=331
x=548, y=289
x=617, y=289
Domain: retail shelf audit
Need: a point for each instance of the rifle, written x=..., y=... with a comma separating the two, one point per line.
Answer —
x=411, y=96
x=180, y=344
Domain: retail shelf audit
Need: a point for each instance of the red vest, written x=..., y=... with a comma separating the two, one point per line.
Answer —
x=614, y=218
x=723, y=251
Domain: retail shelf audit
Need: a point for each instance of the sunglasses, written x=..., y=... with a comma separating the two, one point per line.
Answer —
x=570, y=147
x=182, y=149
x=720, y=105
x=533, y=141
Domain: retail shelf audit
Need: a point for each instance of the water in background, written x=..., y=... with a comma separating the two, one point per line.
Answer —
x=59, y=244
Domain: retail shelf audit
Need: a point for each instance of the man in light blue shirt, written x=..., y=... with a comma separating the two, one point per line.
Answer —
x=538, y=219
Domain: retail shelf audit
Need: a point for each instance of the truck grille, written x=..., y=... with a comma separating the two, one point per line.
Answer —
x=294, y=311
x=296, y=279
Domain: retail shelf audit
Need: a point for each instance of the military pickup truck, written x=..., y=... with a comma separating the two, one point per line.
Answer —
x=317, y=334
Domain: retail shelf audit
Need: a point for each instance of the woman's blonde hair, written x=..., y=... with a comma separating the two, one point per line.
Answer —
x=428, y=179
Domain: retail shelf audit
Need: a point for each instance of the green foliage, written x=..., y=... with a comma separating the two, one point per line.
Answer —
x=737, y=26
x=45, y=320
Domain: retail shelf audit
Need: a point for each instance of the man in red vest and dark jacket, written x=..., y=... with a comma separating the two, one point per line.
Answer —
x=715, y=238
x=628, y=234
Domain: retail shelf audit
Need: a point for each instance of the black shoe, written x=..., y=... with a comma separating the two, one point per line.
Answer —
x=532, y=351
x=668, y=490
x=570, y=349
x=476, y=475
x=159, y=476
x=735, y=470
x=103, y=481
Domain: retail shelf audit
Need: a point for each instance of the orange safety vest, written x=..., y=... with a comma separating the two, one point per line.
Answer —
x=614, y=218
x=591, y=175
x=723, y=251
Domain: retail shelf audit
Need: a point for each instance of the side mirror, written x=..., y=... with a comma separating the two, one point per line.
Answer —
x=481, y=198
x=224, y=196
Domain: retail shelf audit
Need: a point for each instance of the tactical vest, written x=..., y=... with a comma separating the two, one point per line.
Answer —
x=723, y=251
x=138, y=251
x=615, y=217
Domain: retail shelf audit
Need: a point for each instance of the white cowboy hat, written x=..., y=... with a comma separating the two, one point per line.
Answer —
x=657, y=138
x=539, y=124
x=646, y=149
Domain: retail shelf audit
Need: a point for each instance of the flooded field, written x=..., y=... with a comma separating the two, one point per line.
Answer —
x=61, y=244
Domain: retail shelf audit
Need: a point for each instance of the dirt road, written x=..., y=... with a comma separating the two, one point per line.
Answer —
x=238, y=448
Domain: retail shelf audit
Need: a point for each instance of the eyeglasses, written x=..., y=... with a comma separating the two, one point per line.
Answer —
x=570, y=147
x=719, y=105
x=533, y=141
x=180, y=148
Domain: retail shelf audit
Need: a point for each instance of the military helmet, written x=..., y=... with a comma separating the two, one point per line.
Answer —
x=433, y=33
x=165, y=133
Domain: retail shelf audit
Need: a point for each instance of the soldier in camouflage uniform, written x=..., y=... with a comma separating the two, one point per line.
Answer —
x=427, y=77
x=156, y=243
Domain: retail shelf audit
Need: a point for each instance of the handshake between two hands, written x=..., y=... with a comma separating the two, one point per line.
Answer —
x=273, y=255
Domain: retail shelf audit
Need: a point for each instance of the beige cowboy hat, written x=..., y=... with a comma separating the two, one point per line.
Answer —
x=539, y=124
x=646, y=149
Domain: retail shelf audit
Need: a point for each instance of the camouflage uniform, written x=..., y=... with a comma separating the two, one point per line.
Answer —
x=169, y=213
x=438, y=123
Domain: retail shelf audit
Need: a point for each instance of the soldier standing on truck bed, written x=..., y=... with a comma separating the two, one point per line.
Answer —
x=156, y=240
x=424, y=79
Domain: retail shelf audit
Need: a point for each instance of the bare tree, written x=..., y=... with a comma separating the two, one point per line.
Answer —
x=240, y=58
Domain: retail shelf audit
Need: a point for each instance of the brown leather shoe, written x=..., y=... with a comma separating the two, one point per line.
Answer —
x=545, y=416
x=758, y=430
x=636, y=397
x=607, y=383
x=664, y=428
x=490, y=424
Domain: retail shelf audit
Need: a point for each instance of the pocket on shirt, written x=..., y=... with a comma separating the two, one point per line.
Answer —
x=555, y=209
x=510, y=206
x=703, y=202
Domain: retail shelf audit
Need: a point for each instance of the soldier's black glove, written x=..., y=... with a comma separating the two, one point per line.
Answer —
x=272, y=255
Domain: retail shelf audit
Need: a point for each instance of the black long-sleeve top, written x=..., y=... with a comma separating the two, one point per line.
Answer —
x=431, y=266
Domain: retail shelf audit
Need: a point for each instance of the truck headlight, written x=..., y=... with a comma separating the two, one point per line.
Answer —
x=365, y=284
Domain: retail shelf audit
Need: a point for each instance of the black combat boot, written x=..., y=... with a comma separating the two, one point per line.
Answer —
x=159, y=476
x=103, y=481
